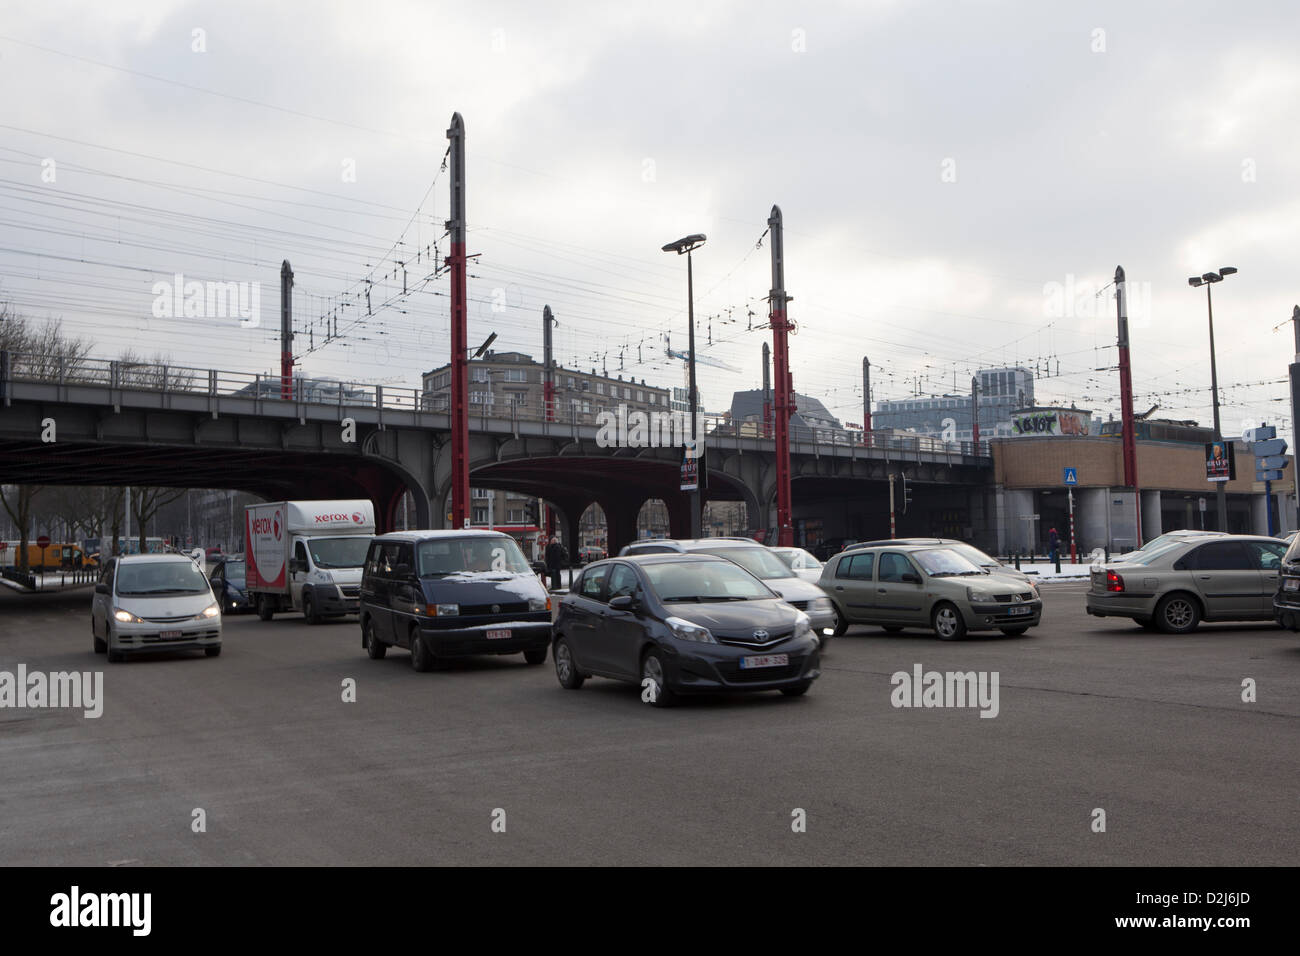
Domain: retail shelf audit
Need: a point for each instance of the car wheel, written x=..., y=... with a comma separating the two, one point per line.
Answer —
x=566, y=668
x=948, y=622
x=100, y=645
x=537, y=656
x=891, y=628
x=265, y=609
x=375, y=648
x=655, y=693
x=841, y=622
x=798, y=690
x=1015, y=631
x=1178, y=613
x=309, y=609
x=213, y=651
x=114, y=656
x=421, y=659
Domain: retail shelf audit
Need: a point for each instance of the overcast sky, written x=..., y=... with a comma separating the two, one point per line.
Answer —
x=947, y=172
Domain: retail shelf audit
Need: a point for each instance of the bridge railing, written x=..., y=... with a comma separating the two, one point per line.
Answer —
x=146, y=376
x=143, y=376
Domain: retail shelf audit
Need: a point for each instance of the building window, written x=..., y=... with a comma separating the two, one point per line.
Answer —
x=516, y=375
x=640, y=396
x=518, y=398
x=480, y=516
x=479, y=492
x=600, y=388
x=480, y=398
x=478, y=375
x=515, y=516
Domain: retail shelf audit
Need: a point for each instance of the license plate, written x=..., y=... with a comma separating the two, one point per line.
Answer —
x=1291, y=584
x=767, y=660
x=1021, y=610
x=498, y=635
x=170, y=635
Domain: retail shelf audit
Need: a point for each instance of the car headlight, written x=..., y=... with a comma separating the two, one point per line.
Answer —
x=126, y=617
x=448, y=610
x=974, y=596
x=539, y=604
x=686, y=631
x=802, y=626
x=208, y=612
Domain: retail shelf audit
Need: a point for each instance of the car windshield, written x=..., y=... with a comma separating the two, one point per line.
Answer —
x=235, y=572
x=338, y=552
x=945, y=562
x=704, y=582
x=457, y=555
x=758, y=561
x=975, y=556
x=160, y=577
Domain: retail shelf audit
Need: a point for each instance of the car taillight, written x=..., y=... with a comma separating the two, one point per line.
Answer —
x=1114, y=582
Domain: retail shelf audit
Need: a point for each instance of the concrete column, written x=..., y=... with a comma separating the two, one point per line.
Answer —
x=1021, y=534
x=1259, y=514
x=620, y=520
x=1152, y=520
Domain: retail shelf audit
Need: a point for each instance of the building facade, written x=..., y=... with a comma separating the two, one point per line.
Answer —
x=1001, y=392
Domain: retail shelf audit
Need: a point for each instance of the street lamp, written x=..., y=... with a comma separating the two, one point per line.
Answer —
x=1208, y=280
x=686, y=245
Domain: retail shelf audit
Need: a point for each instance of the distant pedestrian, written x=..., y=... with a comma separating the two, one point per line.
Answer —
x=1054, y=541
x=555, y=556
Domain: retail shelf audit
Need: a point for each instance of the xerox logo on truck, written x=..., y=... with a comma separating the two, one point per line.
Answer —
x=356, y=518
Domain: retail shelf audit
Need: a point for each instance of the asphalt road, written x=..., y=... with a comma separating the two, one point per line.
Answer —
x=1092, y=714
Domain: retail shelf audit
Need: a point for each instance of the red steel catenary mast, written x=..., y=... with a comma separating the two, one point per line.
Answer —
x=459, y=334
x=784, y=390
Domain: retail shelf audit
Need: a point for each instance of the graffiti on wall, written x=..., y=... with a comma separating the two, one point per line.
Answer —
x=1051, y=423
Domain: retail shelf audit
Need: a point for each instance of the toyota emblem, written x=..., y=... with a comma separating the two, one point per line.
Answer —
x=760, y=635
x=496, y=608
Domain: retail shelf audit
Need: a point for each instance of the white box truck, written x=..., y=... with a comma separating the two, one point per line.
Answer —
x=307, y=556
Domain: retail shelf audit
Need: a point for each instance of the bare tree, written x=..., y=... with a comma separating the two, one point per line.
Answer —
x=17, y=503
x=136, y=371
x=145, y=503
x=44, y=351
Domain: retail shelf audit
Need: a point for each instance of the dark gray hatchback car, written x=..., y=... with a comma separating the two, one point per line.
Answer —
x=446, y=594
x=680, y=624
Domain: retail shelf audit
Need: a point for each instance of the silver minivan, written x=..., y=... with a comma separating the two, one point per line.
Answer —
x=154, y=602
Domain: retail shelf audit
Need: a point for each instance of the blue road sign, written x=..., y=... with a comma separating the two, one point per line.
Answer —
x=1262, y=433
x=1072, y=476
x=1268, y=476
x=1274, y=446
x=1271, y=462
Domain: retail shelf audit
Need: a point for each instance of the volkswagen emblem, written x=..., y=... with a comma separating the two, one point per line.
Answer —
x=496, y=608
x=760, y=635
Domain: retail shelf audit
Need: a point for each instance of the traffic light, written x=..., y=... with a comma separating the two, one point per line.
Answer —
x=530, y=512
x=907, y=494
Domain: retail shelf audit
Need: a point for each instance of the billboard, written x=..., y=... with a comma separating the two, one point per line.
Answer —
x=1051, y=421
x=1220, y=461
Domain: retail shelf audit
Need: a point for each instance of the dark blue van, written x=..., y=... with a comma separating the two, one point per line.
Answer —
x=446, y=594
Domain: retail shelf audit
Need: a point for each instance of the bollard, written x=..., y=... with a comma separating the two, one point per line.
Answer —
x=1017, y=560
x=1058, y=562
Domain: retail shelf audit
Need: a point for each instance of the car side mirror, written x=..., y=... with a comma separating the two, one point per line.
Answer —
x=624, y=602
x=910, y=578
x=101, y=589
x=296, y=565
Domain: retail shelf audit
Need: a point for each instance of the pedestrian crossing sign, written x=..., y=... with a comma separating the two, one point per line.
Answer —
x=1071, y=476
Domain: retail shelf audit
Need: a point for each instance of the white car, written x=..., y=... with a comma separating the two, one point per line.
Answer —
x=154, y=602
x=800, y=562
